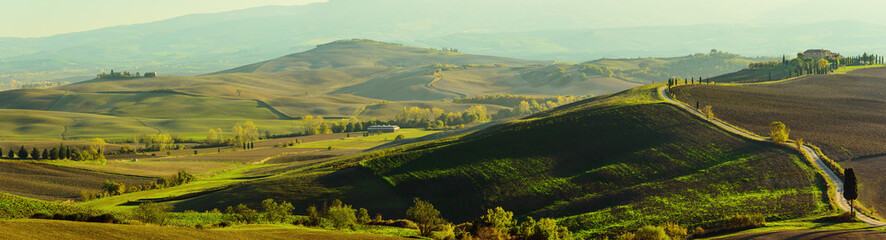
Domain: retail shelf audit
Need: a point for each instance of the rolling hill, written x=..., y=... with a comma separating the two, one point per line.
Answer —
x=600, y=166
x=338, y=79
x=840, y=113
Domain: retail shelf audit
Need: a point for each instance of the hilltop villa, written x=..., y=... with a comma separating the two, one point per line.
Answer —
x=821, y=54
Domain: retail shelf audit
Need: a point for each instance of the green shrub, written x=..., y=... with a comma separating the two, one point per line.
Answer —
x=242, y=214
x=313, y=216
x=363, y=216
x=497, y=218
x=626, y=236
x=150, y=212
x=675, y=231
x=743, y=221
x=341, y=215
x=649, y=232
x=425, y=216
x=276, y=212
x=398, y=137
x=544, y=228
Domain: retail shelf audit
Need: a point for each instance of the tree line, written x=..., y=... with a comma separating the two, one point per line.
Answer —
x=509, y=100
x=113, y=188
x=497, y=223
x=94, y=152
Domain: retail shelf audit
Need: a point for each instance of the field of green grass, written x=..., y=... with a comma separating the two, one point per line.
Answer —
x=13, y=207
x=167, y=105
x=846, y=69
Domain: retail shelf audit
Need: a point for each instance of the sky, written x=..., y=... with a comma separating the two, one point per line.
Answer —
x=39, y=18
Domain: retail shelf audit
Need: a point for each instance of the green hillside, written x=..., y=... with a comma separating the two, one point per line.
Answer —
x=158, y=104
x=601, y=166
x=12, y=206
x=34, y=124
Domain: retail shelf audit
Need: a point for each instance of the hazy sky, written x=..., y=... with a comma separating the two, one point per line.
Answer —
x=37, y=18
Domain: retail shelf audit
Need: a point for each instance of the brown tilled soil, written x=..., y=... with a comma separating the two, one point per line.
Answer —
x=811, y=235
x=49, y=182
x=845, y=115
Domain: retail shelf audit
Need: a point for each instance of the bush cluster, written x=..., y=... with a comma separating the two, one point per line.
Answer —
x=79, y=217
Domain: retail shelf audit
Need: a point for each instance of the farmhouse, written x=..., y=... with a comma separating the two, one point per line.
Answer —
x=821, y=54
x=384, y=128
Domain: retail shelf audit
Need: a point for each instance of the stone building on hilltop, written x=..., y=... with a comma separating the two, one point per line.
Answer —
x=821, y=54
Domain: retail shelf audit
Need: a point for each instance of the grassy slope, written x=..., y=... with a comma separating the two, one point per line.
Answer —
x=54, y=229
x=143, y=104
x=12, y=206
x=655, y=161
x=33, y=124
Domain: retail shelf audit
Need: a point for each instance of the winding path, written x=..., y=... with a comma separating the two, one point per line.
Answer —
x=838, y=183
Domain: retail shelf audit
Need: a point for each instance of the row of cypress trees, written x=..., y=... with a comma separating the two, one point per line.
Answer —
x=61, y=152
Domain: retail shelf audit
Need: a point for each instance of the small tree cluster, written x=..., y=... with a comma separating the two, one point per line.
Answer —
x=337, y=215
x=274, y=212
x=666, y=231
x=778, y=132
x=499, y=224
x=112, y=188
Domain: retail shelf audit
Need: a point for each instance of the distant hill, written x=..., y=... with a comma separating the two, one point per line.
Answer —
x=368, y=53
x=600, y=166
x=337, y=79
x=693, y=66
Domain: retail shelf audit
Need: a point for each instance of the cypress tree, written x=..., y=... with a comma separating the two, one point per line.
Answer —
x=850, y=187
x=35, y=154
x=1, y=152
x=22, y=153
x=53, y=153
x=45, y=155
x=11, y=154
